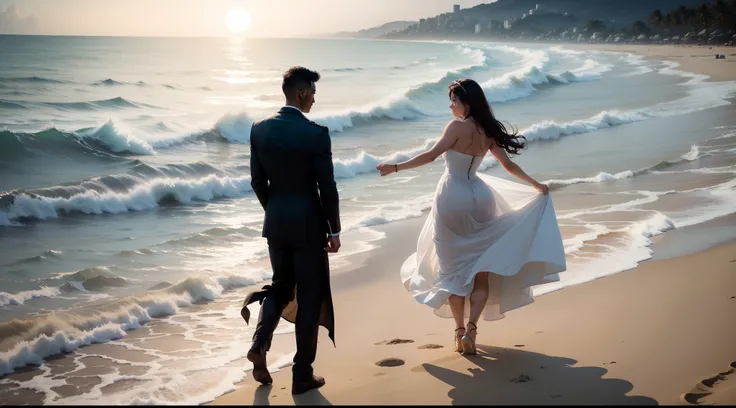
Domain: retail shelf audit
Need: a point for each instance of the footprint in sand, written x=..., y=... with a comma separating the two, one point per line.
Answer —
x=430, y=346
x=522, y=378
x=710, y=387
x=399, y=341
x=394, y=342
x=390, y=362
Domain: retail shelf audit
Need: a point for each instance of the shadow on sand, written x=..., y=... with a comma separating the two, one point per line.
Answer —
x=313, y=397
x=514, y=377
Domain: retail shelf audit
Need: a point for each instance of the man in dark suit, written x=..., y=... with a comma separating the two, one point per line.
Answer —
x=292, y=176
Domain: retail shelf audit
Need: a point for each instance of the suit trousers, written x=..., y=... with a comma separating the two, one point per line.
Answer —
x=304, y=270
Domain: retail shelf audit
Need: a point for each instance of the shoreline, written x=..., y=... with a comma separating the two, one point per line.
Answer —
x=700, y=60
x=647, y=335
x=632, y=329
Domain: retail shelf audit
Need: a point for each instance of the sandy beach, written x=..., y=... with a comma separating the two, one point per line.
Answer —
x=692, y=58
x=650, y=335
x=661, y=333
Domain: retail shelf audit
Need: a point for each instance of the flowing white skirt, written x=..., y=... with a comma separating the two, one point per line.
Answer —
x=485, y=224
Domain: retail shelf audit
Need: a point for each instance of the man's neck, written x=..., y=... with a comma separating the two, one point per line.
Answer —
x=294, y=106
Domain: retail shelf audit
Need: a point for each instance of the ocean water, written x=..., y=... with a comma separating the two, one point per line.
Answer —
x=128, y=228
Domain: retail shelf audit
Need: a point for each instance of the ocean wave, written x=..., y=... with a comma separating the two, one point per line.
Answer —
x=388, y=213
x=423, y=61
x=15, y=147
x=550, y=130
x=347, y=69
x=104, y=104
x=33, y=80
x=108, y=82
x=6, y=104
x=215, y=235
x=32, y=340
x=150, y=194
x=112, y=82
x=481, y=62
x=110, y=141
x=599, y=178
x=16, y=299
x=49, y=254
x=95, y=279
x=366, y=163
x=602, y=177
x=522, y=82
x=397, y=108
x=113, y=137
x=404, y=105
x=235, y=127
x=626, y=246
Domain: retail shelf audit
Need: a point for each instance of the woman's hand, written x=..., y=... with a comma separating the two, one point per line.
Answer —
x=385, y=169
x=542, y=188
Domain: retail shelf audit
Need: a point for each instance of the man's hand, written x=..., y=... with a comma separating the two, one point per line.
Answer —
x=333, y=244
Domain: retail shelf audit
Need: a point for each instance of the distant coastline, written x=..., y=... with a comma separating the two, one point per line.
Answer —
x=693, y=22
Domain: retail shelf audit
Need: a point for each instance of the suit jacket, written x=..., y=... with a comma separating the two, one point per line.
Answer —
x=292, y=176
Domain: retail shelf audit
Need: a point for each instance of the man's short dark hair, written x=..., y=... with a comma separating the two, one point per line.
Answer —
x=297, y=77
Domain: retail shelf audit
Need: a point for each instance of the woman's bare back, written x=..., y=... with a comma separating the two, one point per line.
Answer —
x=471, y=139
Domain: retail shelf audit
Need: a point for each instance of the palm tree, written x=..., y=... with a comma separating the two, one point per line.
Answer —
x=682, y=14
x=655, y=19
x=721, y=13
x=703, y=15
x=594, y=26
x=672, y=19
x=639, y=27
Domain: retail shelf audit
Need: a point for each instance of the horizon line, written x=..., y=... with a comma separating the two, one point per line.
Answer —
x=308, y=36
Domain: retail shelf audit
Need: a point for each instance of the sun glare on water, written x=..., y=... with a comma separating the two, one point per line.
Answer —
x=237, y=20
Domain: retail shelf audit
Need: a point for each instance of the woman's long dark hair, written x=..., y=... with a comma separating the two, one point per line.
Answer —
x=471, y=94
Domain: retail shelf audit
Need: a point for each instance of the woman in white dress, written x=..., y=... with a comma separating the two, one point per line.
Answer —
x=487, y=240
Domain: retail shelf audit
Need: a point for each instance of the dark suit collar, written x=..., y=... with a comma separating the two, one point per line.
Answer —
x=291, y=110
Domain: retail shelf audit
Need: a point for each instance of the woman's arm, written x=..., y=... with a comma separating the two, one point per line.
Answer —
x=448, y=139
x=500, y=154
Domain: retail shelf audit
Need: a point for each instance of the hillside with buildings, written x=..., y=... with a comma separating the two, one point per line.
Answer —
x=576, y=20
x=375, y=32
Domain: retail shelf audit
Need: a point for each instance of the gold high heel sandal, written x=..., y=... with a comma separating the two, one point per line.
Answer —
x=467, y=342
x=458, y=339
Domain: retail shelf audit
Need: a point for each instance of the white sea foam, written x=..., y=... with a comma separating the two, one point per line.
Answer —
x=117, y=139
x=142, y=197
x=15, y=299
x=534, y=71
x=366, y=163
x=64, y=332
x=550, y=130
x=632, y=249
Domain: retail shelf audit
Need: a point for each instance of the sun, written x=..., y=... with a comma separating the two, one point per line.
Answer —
x=237, y=20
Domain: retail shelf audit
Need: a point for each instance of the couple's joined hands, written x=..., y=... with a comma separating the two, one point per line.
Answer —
x=333, y=244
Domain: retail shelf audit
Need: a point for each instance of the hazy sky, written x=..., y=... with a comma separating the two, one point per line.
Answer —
x=270, y=18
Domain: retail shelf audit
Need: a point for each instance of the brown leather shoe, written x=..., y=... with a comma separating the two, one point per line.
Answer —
x=302, y=386
x=257, y=356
